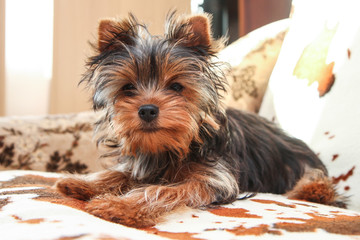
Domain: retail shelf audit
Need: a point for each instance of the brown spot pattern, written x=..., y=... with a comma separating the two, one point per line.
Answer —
x=29, y=180
x=340, y=224
x=233, y=212
x=332, y=136
x=257, y=231
x=29, y=221
x=343, y=177
x=33, y=221
x=172, y=235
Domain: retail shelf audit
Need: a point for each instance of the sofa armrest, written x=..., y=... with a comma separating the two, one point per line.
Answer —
x=53, y=143
x=252, y=59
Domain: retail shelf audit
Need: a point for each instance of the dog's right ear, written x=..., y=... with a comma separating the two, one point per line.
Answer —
x=114, y=34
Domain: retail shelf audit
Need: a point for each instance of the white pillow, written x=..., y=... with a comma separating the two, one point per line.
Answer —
x=314, y=90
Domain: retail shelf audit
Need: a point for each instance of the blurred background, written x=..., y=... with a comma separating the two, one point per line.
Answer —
x=44, y=43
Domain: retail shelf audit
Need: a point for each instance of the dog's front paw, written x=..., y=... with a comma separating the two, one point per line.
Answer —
x=75, y=188
x=119, y=210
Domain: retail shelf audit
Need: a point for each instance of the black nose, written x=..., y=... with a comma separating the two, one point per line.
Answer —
x=148, y=112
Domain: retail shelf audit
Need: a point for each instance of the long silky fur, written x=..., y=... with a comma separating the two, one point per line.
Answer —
x=261, y=157
x=195, y=152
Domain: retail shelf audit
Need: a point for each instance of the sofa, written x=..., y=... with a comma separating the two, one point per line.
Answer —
x=302, y=73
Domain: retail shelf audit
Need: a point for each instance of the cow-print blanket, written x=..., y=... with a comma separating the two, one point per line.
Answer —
x=31, y=209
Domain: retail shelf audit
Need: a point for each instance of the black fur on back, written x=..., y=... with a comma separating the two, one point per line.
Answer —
x=260, y=155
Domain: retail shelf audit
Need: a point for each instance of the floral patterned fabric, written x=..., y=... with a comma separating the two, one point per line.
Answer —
x=58, y=143
x=251, y=60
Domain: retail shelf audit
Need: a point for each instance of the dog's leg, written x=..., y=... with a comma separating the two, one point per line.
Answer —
x=144, y=206
x=88, y=186
x=316, y=187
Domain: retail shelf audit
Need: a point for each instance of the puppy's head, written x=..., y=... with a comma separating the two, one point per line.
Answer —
x=159, y=93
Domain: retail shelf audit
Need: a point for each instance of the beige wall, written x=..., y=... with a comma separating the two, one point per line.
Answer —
x=75, y=23
x=2, y=57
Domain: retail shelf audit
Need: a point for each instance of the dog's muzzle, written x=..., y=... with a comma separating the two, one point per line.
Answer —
x=148, y=112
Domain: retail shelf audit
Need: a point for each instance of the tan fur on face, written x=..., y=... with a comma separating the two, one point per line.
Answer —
x=174, y=129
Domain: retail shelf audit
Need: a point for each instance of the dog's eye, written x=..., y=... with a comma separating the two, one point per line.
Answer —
x=128, y=89
x=129, y=86
x=177, y=87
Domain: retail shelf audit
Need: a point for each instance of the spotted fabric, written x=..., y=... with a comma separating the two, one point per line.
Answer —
x=29, y=206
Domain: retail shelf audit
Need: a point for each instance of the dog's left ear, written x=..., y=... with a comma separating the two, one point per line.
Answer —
x=193, y=32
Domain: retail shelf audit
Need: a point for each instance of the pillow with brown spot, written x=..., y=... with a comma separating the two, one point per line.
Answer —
x=314, y=89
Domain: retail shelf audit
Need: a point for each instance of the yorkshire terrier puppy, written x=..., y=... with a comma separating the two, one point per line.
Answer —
x=174, y=143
